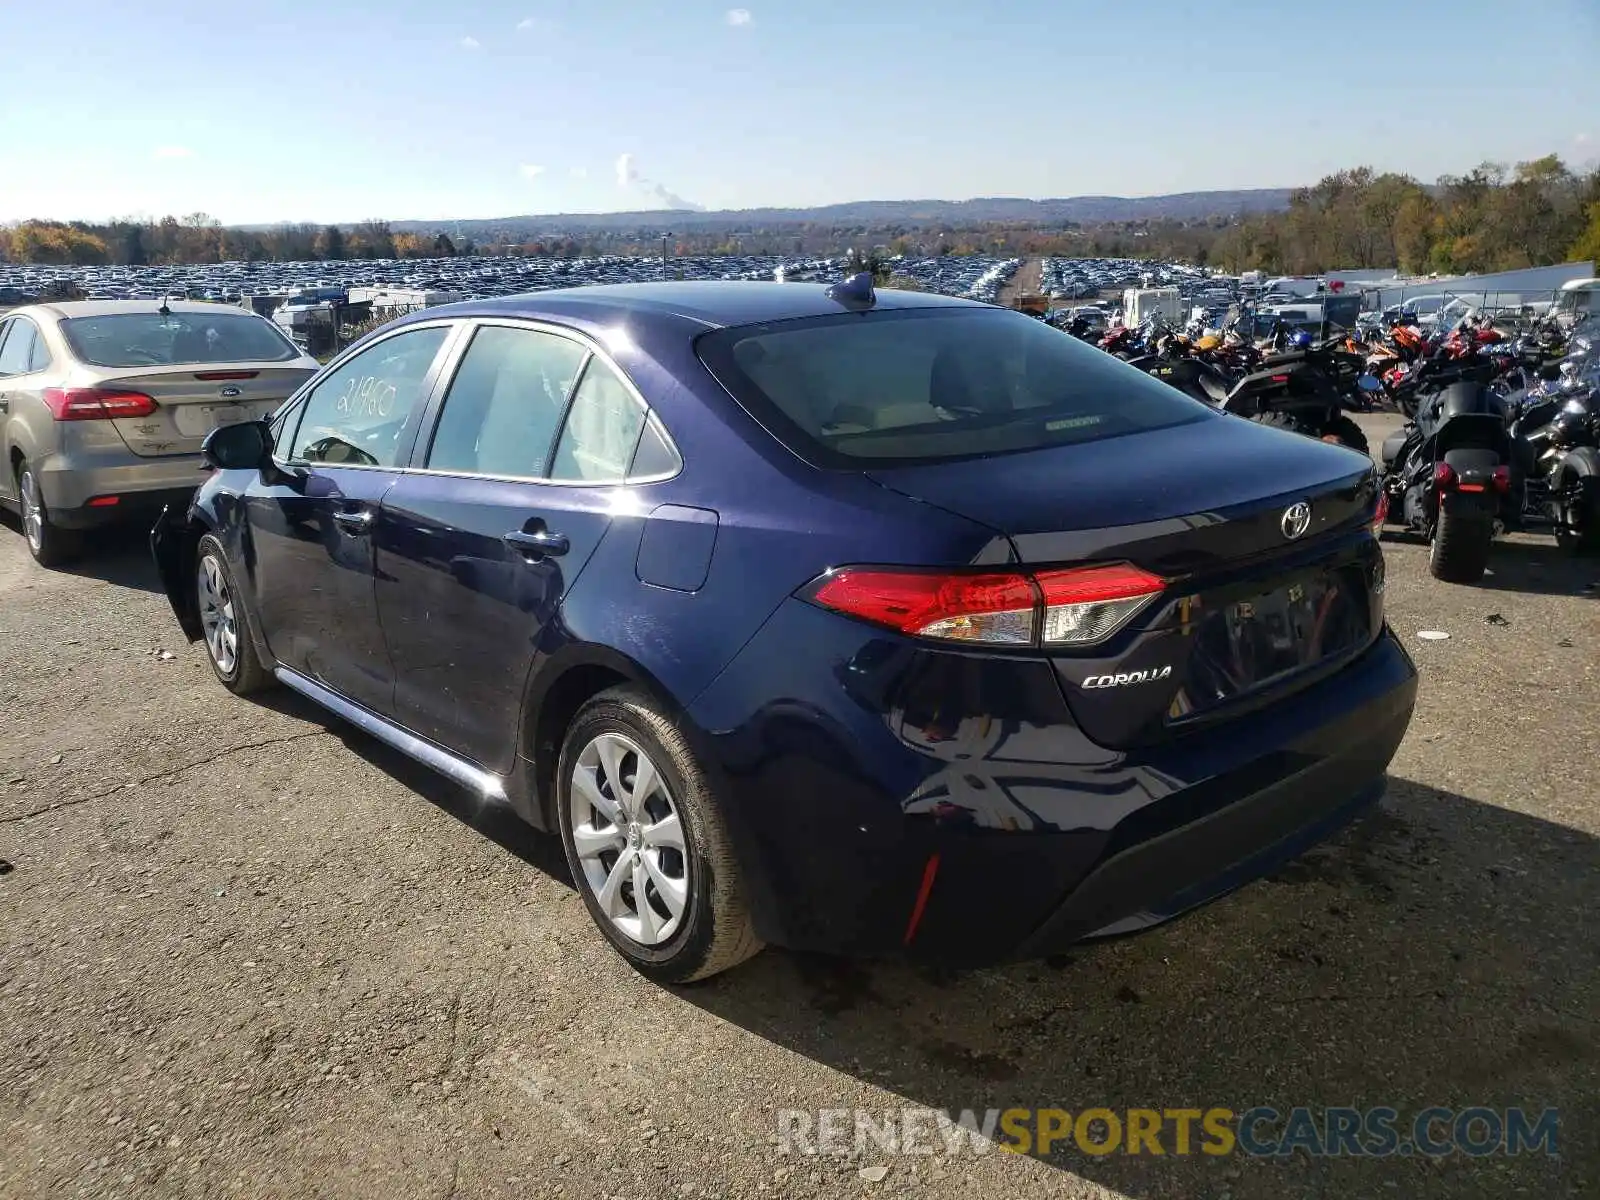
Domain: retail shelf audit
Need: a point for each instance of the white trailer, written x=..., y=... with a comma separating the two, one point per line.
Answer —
x=1140, y=304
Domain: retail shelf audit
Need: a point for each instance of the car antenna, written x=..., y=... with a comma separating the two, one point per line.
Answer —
x=854, y=293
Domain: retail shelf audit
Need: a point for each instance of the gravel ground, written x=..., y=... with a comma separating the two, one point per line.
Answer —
x=244, y=951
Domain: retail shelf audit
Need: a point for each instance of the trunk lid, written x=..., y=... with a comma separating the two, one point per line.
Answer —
x=1249, y=612
x=193, y=399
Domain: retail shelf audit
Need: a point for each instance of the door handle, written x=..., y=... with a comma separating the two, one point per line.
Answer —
x=357, y=522
x=538, y=544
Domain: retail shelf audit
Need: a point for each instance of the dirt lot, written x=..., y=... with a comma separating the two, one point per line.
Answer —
x=244, y=952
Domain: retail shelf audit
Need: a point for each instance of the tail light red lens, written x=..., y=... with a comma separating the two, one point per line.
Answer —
x=1381, y=513
x=1501, y=479
x=1077, y=606
x=96, y=404
x=217, y=376
x=1444, y=475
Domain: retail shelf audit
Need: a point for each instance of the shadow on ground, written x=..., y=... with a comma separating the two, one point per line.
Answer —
x=495, y=821
x=1435, y=954
x=1533, y=567
x=119, y=555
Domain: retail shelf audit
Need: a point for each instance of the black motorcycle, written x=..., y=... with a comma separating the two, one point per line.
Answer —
x=1309, y=392
x=1557, y=437
x=1447, y=473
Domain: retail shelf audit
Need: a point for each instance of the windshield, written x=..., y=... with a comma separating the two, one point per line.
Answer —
x=151, y=340
x=895, y=387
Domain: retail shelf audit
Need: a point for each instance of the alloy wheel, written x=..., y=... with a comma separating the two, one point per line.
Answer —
x=32, y=511
x=217, y=615
x=628, y=839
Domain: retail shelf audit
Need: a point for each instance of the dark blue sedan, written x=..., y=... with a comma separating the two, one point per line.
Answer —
x=852, y=622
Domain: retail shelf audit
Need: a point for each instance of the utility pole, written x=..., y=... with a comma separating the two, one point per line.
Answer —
x=664, y=238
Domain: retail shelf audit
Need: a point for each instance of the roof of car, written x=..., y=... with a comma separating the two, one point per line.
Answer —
x=713, y=303
x=63, y=309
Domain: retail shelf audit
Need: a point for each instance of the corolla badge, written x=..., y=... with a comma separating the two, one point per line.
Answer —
x=228, y=393
x=1127, y=677
x=1296, y=520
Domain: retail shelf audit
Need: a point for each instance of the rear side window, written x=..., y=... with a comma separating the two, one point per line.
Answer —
x=357, y=414
x=23, y=351
x=505, y=403
x=152, y=340
x=602, y=429
x=927, y=385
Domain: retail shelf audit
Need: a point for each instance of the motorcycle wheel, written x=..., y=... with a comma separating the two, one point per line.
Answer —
x=1346, y=432
x=1578, y=522
x=1459, y=552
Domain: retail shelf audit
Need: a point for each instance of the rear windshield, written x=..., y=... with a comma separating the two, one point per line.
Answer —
x=890, y=388
x=151, y=340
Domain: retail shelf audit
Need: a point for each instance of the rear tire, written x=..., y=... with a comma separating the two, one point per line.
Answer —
x=1578, y=523
x=50, y=545
x=618, y=739
x=226, y=623
x=1459, y=552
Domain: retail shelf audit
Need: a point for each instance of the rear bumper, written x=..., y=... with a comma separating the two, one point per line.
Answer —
x=141, y=488
x=1008, y=834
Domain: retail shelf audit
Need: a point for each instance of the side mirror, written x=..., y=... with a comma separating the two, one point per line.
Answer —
x=246, y=446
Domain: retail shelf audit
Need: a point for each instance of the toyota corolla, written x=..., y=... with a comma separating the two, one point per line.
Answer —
x=851, y=621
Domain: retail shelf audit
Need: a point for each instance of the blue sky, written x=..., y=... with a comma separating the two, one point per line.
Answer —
x=338, y=110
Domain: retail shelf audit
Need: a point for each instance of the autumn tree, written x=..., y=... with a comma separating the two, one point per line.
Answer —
x=330, y=243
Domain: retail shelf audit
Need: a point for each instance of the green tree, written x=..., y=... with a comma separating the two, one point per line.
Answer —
x=330, y=243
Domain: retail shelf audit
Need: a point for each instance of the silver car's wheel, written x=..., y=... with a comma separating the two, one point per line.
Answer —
x=217, y=619
x=32, y=512
x=628, y=839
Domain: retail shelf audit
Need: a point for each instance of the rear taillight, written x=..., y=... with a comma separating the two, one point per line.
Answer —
x=1501, y=479
x=1077, y=606
x=1381, y=513
x=1444, y=476
x=96, y=404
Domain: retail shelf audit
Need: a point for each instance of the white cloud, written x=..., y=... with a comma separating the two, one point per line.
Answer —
x=579, y=172
x=470, y=43
x=526, y=24
x=173, y=152
x=540, y=26
x=740, y=17
x=531, y=171
x=1581, y=139
x=627, y=173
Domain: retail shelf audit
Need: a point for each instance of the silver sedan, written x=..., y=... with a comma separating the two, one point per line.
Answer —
x=104, y=404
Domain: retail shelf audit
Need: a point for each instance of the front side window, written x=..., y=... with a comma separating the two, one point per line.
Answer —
x=895, y=387
x=602, y=429
x=357, y=414
x=22, y=348
x=505, y=403
x=154, y=340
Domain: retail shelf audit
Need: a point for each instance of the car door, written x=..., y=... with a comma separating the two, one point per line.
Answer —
x=309, y=557
x=477, y=545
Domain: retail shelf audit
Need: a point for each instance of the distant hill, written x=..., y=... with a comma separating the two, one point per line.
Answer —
x=1086, y=210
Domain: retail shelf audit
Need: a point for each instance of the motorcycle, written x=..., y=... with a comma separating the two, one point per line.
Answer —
x=1447, y=473
x=1555, y=428
x=1307, y=389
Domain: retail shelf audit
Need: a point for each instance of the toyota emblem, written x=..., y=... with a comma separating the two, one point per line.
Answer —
x=1296, y=520
x=228, y=393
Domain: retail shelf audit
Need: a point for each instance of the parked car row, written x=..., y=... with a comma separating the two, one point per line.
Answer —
x=977, y=277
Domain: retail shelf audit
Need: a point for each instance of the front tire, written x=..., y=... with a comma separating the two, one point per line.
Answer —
x=225, y=622
x=1459, y=552
x=50, y=545
x=646, y=842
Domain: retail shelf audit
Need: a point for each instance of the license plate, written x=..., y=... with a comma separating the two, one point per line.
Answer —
x=230, y=414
